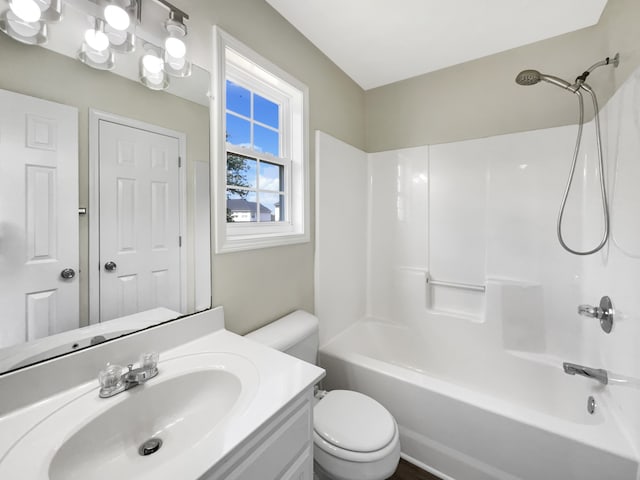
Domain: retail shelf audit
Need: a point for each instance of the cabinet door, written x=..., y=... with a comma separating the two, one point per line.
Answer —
x=281, y=449
x=303, y=468
x=278, y=452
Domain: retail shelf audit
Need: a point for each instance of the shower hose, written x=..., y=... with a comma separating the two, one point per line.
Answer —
x=603, y=191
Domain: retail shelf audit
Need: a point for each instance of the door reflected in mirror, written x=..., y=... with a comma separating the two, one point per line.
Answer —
x=104, y=203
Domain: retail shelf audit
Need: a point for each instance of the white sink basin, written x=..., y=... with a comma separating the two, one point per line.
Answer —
x=191, y=399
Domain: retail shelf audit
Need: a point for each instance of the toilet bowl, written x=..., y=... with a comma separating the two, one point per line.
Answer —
x=355, y=437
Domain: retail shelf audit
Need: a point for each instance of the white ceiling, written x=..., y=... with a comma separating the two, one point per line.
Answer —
x=377, y=42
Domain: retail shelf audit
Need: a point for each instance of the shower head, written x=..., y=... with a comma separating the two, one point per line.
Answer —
x=531, y=77
x=528, y=77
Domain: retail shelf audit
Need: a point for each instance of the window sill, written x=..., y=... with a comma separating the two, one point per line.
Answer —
x=239, y=243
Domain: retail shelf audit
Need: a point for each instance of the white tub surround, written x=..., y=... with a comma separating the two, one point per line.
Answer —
x=273, y=406
x=470, y=302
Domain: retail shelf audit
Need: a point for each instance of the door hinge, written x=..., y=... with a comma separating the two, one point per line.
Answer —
x=180, y=241
x=179, y=162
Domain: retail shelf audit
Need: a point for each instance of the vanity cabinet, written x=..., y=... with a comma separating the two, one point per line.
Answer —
x=281, y=449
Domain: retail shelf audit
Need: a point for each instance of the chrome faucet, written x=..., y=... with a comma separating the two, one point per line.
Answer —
x=113, y=380
x=596, y=373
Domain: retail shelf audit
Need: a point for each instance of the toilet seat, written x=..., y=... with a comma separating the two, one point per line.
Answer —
x=353, y=427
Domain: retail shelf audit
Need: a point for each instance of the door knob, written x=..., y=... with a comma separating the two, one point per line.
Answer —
x=110, y=266
x=68, y=273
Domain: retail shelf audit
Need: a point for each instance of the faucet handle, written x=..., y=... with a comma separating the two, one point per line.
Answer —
x=604, y=312
x=110, y=379
x=589, y=311
x=149, y=360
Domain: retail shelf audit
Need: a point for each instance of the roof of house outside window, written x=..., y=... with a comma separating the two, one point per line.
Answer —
x=242, y=205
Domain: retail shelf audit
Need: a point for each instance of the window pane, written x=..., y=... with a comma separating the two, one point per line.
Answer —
x=265, y=140
x=266, y=209
x=238, y=131
x=241, y=207
x=238, y=99
x=265, y=111
x=241, y=171
x=271, y=177
x=273, y=202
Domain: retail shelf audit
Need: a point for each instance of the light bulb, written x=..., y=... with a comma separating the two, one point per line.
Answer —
x=152, y=63
x=117, y=17
x=96, y=39
x=25, y=10
x=175, y=47
x=28, y=33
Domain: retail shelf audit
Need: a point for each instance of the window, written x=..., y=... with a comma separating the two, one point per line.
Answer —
x=260, y=133
x=256, y=163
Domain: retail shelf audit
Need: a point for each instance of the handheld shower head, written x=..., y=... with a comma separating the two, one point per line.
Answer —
x=531, y=77
x=528, y=77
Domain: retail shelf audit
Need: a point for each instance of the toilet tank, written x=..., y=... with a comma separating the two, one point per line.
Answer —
x=295, y=334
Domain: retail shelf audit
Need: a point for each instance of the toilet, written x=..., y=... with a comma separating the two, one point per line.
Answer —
x=355, y=438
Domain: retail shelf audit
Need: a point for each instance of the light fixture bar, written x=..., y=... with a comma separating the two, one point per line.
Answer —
x=175, y=12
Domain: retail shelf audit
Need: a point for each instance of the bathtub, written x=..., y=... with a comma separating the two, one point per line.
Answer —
x=465, y=416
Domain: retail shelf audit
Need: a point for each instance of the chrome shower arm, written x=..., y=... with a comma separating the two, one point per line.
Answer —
x=615, y=61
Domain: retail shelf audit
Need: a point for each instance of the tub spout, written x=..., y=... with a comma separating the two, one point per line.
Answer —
x=596, y=373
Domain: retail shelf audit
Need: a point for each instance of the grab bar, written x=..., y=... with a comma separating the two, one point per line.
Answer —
x=464, y=286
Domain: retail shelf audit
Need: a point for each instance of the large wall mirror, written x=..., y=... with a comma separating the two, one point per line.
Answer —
x=104, y=198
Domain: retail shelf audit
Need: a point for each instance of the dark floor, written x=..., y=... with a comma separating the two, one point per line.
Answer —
x=407, y=471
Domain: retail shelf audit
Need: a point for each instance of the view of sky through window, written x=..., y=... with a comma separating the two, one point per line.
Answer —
x=252, y=120
x=255, y=186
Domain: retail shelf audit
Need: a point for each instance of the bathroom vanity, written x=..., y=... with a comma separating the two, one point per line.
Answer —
x=221, y=407
x=282, y=449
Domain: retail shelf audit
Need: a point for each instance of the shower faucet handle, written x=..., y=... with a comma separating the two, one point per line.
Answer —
x=589, y=311
x=604, y=312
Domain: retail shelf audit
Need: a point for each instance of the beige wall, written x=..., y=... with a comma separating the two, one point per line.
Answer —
x=480, y=98
x=40, y=73
x=258, y=286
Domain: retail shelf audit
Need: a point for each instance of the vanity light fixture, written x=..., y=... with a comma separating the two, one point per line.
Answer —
x=26, y=10
x=118, y=13
x=112, y=29
x=95, y=51
x=121, y=41
x=100, y=60
x=175, y=50
x=30, y=33
x=95, y=37
x=152, y=69
x=30, y=11
x=51, y=10
x=26, y=20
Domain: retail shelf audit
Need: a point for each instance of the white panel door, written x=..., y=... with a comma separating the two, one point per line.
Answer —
x=139, y=220
x=38, y=218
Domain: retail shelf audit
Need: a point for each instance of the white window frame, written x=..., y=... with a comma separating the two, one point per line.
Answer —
x=266, y=79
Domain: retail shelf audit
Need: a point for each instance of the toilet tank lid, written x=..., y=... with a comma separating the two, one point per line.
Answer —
x=286, y=331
